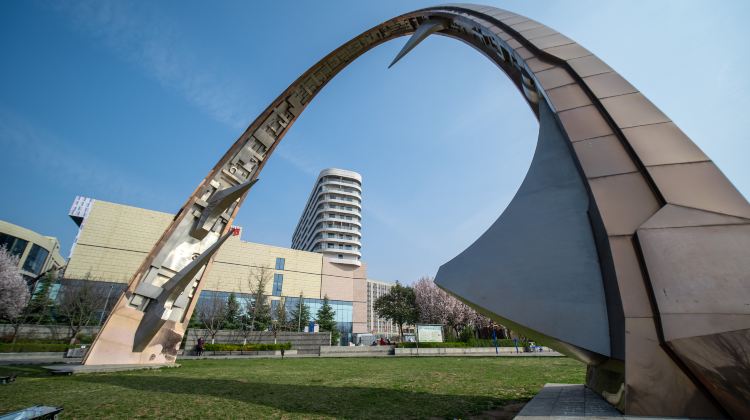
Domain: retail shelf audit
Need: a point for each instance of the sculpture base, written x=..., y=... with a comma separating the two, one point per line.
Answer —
x=72, y=369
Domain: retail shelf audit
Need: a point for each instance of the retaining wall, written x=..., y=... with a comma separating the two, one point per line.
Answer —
x=303, y=343
x=355, y=351
x=43, y=332
x=465, y=351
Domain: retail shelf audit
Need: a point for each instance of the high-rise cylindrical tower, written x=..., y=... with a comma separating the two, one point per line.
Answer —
x=332, y=220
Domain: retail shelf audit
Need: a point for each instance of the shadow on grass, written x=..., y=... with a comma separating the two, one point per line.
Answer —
x=29, y=371
x=310, y=399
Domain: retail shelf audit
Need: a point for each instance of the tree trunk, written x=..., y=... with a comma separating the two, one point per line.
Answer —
x=74, y=333
x=16, y=327
x=401, y=332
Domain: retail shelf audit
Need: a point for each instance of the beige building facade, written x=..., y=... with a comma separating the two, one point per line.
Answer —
x=37, y=254
x=375, y=324
x=114, y=239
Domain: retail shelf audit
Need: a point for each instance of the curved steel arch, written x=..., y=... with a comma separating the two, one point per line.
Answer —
x=625, y=246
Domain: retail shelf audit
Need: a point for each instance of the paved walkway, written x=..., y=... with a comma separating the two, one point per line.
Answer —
x=567, y=400
x=570, y=402
x=21, y=359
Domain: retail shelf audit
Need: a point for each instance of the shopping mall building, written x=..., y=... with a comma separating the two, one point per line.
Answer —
x=37, y=254
x=113, y=239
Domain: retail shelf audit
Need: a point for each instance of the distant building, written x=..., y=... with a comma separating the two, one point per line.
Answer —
x=375, y=324
x=114, y=239
x=331, y=223
x=36, y=253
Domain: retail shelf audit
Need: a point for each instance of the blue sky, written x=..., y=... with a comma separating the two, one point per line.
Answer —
x=133, y=102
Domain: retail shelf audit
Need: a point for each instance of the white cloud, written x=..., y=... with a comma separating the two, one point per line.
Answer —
x=299, y=162
x=157, y=48
x=66, y=166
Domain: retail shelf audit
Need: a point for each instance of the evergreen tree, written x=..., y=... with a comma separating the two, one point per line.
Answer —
x=40, y=306
x=232, y=320
x=259, y=309
x=280, y=316
x=327, y=322
x=399, y=305
x=299, y=316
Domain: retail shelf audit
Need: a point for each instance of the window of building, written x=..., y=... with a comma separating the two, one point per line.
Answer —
x=280, y=263
x=14, y=245
x=278, y=282
x=331, y=235
x=341, y=256
x=330, y=245
x=35, y=260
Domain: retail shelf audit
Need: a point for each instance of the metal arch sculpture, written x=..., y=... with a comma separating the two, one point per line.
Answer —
x=625, y=246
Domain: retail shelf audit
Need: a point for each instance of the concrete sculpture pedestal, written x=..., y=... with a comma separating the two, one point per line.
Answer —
x=71, y=369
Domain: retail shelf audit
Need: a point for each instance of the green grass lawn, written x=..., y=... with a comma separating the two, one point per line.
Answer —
x=295, y=388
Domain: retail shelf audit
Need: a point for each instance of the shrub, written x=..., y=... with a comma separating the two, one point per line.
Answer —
x=467, y=334
x=487, y=342
x=247, y=347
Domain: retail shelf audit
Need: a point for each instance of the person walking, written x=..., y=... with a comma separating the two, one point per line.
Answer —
x=200, y=346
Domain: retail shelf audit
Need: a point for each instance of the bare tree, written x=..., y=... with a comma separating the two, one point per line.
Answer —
x=257, y=307
x=78, y=303
x=14, y=292
x=212, y=312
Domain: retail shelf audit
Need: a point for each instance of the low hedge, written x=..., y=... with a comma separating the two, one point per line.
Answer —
x=472, y=343
x=247, y=347
x=450, y=344
x=24, y=347
x=501, y=342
